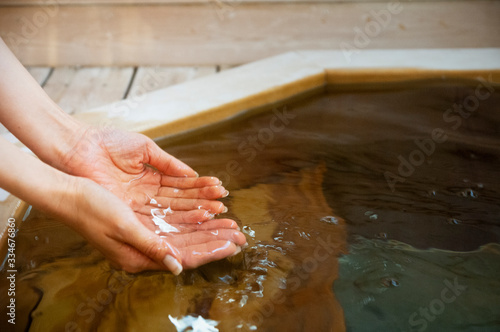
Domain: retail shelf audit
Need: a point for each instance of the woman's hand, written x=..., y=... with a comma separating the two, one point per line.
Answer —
x=165, y=194
x=142, y=190
x=136, y=170
x=114, y=229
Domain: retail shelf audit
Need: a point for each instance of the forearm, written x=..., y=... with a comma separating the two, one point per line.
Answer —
x=34, y=181
x=29, y=113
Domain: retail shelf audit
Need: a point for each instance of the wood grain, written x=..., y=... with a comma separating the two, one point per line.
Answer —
x=208, y=34
x=77, y=89
x=153, y=78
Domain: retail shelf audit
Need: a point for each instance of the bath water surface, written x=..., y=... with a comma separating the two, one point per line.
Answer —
x=365, y=210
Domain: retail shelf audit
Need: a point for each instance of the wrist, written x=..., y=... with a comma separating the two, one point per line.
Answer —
x=68, y=135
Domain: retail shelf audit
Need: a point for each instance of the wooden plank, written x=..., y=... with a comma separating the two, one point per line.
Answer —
x=153, y=78
x=40, y=74
x=205, y=35
x=168, y=2
x=78, y=89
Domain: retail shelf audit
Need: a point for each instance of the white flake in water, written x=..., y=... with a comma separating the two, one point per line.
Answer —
x=330, y=220
x=195, y=324
x=158, y=215
x=164, y=227
x=248, y=230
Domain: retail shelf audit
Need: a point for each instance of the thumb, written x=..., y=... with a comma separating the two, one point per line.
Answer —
x=167, y=163
x=155, y=247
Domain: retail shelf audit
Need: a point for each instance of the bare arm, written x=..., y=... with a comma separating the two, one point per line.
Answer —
x=108, y=199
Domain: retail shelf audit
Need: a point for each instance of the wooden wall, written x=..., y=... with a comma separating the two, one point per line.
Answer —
x=208, y=32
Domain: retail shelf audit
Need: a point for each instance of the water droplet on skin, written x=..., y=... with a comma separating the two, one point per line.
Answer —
x=158, y=213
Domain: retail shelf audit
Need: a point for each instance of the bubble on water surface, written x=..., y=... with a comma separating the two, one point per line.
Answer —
x=330, y=220
x=468, y=193
x=454, y=221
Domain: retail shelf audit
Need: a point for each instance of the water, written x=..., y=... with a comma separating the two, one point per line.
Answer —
x=365, y=210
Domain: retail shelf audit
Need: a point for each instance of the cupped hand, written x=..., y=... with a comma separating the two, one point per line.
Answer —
x=114, y=229
x=135, y=169
x=173, y=204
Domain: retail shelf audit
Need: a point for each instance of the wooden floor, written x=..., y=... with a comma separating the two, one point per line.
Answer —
x=76, y=89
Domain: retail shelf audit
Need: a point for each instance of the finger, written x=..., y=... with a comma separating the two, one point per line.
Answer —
x=210, y=225
x=212, y=192
x=176, y=217
x=132, y=260
x=192, y=227
x=201, y=254
x=188, y=183
x=156, y=248
x=187, y=204
x=166, y=163
x=214, y=225
x=200, y=237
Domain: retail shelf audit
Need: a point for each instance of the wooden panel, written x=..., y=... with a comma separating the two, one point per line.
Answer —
x=78, y=89
x=167, y=2
x=153, y=78
x=206, y=35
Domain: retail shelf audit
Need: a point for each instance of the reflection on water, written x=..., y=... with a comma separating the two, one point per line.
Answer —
x=364, y=211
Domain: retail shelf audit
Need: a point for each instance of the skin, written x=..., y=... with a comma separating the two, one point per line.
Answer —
x=104, y=183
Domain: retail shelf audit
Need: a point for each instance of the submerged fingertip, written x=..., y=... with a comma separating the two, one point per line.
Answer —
x=238, y=250
x=173, y=265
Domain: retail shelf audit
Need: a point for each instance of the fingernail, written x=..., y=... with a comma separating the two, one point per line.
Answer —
x=224, y=210
x=197, y=175
x=220, y=183
x=225, y=194
x=238, y=250
x=173, y=265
